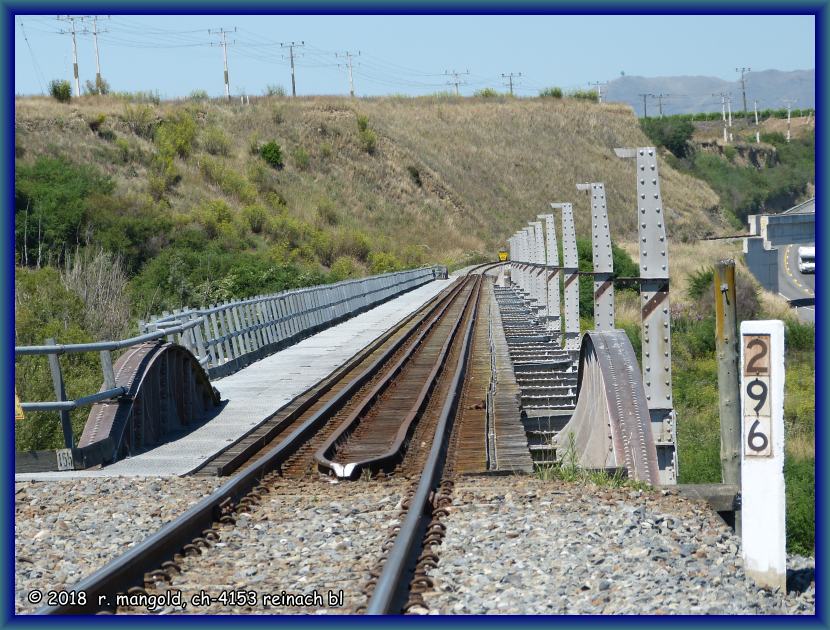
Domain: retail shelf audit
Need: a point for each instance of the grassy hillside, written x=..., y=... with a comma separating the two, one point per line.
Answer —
x=423, y=180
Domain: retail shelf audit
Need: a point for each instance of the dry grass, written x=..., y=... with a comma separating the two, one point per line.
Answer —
x=483, y=168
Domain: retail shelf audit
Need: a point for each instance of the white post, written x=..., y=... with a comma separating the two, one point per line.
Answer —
x=762, y=453
x=723, y=114
x=729, y=109
x=757, y=133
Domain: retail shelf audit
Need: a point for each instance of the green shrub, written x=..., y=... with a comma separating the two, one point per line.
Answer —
x=362, y=122
x=99, y=86
x=799, y=336
x=486, y=93
x=383, y=262
x=215, y=142
x=60, y=90
x=799, y=475
x=51, y=201
x=272, y=154
x=140, y=120
x=301, y=158
x=343, y=268
x=584, y=95
x=415, y=174
x=256, y=217
x=274, y=90
x=175, y=135
x=729, y=152
x=163, y=175
x=669, y=132
x=700, y=282
x=551, y=92
x=198, y=95
x=368, y=141
x=227, y=179
x=327, y=213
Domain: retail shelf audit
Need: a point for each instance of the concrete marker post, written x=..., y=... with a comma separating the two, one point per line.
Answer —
x=762, y=463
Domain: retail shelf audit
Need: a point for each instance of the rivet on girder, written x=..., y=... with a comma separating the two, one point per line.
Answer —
x=656, y=196
x=653, y=166
x=645, y=268
x=664, y=267
x=648, y=383
x=642, y=182
x=642, y=224
x=651, y=152
x=654, y=181
x=643, y=210
x=648, y=397
x=641, y=152
x=668, y=396
x=642, y=167
x=666, y=339
x=662, y=238
x=642, y=196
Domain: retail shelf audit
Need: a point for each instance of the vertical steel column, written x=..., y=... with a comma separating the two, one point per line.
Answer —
x=603, y=258
x=529, y=242
x=570, y=272
x=539, y=284
x=554, y=315
x=654, y=291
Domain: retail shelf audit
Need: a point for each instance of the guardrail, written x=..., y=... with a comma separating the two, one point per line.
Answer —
x=225, y=338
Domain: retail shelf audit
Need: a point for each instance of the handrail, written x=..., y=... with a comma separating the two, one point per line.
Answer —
x=227, y=337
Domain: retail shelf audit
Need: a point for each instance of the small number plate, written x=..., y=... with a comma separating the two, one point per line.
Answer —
x=65, y=461
x=757, y=407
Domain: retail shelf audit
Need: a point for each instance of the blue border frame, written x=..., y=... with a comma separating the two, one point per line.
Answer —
x=819, y=8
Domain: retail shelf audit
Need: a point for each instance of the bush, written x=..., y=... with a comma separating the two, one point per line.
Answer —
x=60, y=90
x=256, y=217
x=301, y=158
x=51, y=201
x=215, y=142
x=669, y=132
x=368, y=141
x=99, y=86
x=327, y=213
x=362, y=122
x=140, y=120
x=227, y=179
x=272, y=154
x=486, y=93
x=383, y=262
x=551, y=92
x=584, y=95
x=198, y=95
x=799, y=336
x=176, y=134
x=342, y=268
x=163, y=175
x=274, y=90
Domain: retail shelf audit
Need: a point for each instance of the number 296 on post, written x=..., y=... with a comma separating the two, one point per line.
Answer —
x=757, y=409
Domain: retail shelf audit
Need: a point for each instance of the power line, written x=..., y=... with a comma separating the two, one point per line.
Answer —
x=456, y=81
x=645, y=105
x=348, y=55
x=95, y=31
x=660, y=98
x=510, y=78
x=291, y=46
x=743, y=85
x=71, y=19
x=41, y=81
x=224, y=44
x=599, y=85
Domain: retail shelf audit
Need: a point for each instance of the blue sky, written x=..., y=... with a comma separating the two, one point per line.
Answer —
x=407, y=54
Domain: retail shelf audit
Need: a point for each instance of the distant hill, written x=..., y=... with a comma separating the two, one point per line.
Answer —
x=690, y=94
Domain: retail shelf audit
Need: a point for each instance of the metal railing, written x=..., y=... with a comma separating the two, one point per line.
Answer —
x=226, y=337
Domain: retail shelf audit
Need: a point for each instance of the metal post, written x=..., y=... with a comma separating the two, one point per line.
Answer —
x=656, y=319
x=570, y=272
x=757, y=133
x=726, y=346
x=603, y=257
x=106, y=368
x=60, y=394
x=554, y=323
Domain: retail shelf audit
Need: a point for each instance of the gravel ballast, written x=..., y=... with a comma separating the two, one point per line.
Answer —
x=65, y=530
x=523, y=546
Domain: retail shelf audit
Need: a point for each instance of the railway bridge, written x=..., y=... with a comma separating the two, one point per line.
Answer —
x=417, y=375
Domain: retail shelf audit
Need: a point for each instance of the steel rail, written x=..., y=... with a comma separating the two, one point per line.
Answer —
x=350, y=469
x=127, y=570
x=386, y=596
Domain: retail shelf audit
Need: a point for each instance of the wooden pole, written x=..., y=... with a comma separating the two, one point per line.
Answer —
x=726, y=346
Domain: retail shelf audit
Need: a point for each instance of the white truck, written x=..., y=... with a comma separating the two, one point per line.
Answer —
x=807, y=259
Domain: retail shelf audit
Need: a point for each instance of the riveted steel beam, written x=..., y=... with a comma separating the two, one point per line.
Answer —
x=603, y=258
x=554, y=323
x=538, y=271
x=570, y=272
x=656, y=319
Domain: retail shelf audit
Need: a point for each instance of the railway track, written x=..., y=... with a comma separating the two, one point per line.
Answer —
x=390, y=411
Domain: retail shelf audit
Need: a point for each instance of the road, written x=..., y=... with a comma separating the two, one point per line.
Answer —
x=794, y=285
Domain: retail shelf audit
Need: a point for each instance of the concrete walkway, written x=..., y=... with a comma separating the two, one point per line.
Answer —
x=263, y=388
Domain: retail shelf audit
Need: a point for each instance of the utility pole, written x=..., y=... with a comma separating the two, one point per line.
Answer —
x=757, y=132
x=348, y=55
x=224, y=45
x=510, y=78
x=456, y=82
x=723, y=113
x=95, y=31
x=729, y=109
x=599, y=85
x=789, y=103
x=71, y=19
x=660, y=98
x=291, y=46
x=743, y=86
x=645, y=106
